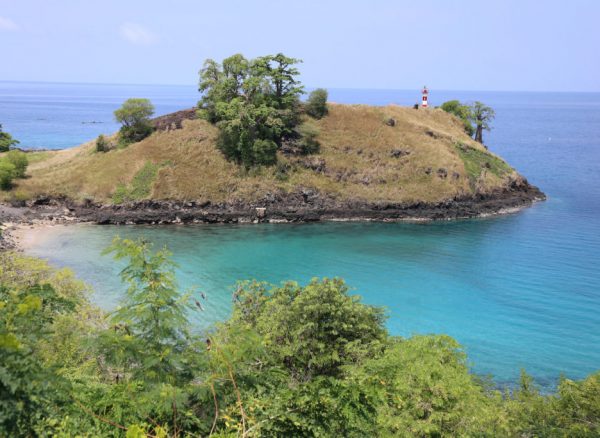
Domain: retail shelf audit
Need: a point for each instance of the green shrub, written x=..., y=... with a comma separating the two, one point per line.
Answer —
x=265, y=152
x=462, y=111
x=308, y=138
x=7, y=174
x=316, y=105
x=101, y=144
x=6, y=141
x=20, y=161
x=135, y=133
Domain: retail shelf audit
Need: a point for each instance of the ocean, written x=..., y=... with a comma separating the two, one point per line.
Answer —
x=517, y=291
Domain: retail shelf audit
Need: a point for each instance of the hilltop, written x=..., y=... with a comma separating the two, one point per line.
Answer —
x=374, y=162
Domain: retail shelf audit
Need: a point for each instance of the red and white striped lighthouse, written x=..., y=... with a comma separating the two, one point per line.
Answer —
x=425, y=92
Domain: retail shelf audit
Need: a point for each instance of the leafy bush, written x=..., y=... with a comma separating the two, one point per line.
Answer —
x=6, y=141
x=264, y=152
x=101, y=144
x=20, y=161
x=7, y=174
x=316, y=105
x=461, y=111
x=308, y=138
x=134, y=115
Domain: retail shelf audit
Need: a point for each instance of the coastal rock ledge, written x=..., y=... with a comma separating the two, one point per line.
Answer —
x=299, y=206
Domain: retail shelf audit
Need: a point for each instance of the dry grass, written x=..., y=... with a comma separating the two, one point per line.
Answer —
x=356, y=148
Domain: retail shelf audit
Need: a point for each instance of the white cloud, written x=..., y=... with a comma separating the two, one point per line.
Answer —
x=8, y=24
x=137, y=34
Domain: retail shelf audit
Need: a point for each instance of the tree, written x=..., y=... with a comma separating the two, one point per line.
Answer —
x=316, y=105
x=462, y=111
x=20, y=161
x=6, y=141
x=255, y=104
x=151, y=323
x=135, y=115
x=481, y=115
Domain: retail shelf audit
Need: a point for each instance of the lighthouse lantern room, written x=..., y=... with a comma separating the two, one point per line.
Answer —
x=425, y=92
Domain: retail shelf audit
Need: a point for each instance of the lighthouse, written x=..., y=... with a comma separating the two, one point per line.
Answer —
x=425, y=92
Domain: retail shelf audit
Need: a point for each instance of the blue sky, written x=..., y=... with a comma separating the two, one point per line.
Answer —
x=461, y=45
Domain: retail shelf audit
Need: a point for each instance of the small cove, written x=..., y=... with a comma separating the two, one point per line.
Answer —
x=520, y=290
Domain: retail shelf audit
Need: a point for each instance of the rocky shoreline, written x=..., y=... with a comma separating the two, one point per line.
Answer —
x=301, y=206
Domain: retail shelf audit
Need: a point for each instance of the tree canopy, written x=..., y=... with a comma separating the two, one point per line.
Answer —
x=134, y=115
x=462, y=111
x=255, y=103
x=477, y=114
x=482, y=116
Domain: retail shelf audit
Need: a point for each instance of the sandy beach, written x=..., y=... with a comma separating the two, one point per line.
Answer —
x=22, y=237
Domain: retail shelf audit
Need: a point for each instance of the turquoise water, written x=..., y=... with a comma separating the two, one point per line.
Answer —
x=517, y=291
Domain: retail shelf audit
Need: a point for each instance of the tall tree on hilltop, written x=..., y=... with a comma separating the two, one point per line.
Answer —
x=255, y=104
x=481, y=115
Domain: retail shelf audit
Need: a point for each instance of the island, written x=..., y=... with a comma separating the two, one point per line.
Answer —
x=373, y=163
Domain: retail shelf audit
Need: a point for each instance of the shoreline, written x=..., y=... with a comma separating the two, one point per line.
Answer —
x=303, y=207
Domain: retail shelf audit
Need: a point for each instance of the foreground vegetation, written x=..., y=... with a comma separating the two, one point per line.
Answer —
x=291, y=361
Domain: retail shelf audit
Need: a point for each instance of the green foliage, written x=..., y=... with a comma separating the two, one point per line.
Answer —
x=28, y=390
x=35, y=304
x=313, y=330
x=102, y=144
x=151, y=324
x=6, y=141
x=316, y=105
x=424, y=388
x=302, y=361
x=477, y=161
x=264, y=152
x=462, y=111
x=255, y=104
x=140, y=186
x=308, y=133
x=12, y=165
x=7, y=173
x=134, y=115
x=573, y=411
x=481, y=115
x=20, y=161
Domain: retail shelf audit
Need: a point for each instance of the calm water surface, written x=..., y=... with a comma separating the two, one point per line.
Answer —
x=517, y=291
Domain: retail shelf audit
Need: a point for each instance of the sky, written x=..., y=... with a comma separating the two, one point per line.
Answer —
x=504, y=45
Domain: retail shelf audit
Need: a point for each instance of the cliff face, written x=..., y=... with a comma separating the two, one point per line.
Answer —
x=371, y=159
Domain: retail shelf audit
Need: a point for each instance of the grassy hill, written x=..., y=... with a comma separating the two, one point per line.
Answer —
x=425, y=156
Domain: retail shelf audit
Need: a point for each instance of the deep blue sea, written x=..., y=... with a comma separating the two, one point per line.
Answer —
x=518, y=291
